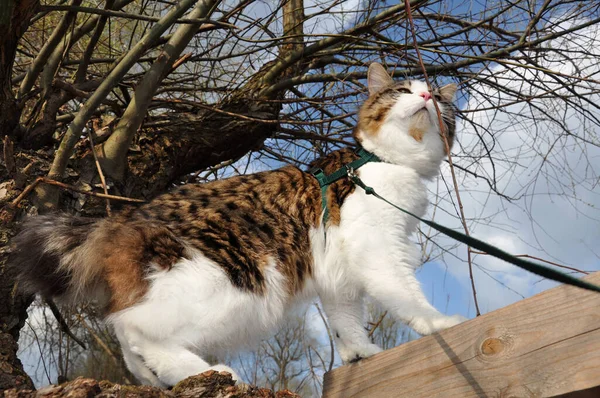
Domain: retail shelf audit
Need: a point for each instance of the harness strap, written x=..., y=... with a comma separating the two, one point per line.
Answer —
x=326, y=180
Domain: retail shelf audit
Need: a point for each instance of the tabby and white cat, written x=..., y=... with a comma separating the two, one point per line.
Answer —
x=209, y=267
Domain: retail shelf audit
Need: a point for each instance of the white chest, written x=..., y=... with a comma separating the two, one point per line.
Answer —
x=400, y=185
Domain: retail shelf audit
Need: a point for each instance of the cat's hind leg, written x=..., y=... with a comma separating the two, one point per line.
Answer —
x=173, y=363
x=169, y=362
x=135, y=363
x=345, y=314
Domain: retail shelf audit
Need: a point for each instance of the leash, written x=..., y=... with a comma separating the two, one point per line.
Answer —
x=365, y=157
x=530, y=266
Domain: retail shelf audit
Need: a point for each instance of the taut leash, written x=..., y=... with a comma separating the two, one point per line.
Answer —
x=530, y=266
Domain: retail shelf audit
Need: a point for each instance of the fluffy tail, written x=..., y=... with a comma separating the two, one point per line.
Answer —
x=75, y=259
x=49, y=256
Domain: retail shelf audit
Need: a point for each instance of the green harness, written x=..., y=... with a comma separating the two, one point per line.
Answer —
x=344, y=171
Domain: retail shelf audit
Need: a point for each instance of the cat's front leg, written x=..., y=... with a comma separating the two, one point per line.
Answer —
x=388, y=275
x=397, y=289
x=345, y=314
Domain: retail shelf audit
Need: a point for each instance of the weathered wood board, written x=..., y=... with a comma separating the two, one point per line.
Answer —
x=543, y=346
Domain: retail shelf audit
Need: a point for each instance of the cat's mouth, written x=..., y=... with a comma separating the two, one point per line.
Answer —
x=421, y=111
x=421, y=115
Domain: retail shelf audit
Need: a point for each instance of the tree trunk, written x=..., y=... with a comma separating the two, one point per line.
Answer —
x=187, y=142
x=12, y=318
x=14, y=21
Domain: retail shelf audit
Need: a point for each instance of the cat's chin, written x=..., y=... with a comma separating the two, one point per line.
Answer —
x=419, y=123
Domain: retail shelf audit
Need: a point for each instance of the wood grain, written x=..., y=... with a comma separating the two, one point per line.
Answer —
x=543, y=346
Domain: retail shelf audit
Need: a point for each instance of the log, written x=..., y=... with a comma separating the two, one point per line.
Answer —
x=545, y=346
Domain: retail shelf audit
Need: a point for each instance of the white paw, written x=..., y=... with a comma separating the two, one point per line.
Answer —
x=455, y=320
x=224, y=368
x=354, y=353
x=428, y=326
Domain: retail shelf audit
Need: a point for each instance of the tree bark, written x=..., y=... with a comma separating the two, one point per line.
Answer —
x=15, y=16
x=208, y=384
x=13, y=314
x=188, y=142
x=14, y=21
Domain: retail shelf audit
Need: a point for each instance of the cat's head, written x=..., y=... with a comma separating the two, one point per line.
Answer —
x=399, y=122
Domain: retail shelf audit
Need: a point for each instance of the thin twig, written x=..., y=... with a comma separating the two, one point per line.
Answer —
x=181, y=60
x=102, y=344
x=248, y=118
x=447, y=144
x=25, y=192
x=81, y=191
x=100, y=173
x=329, y=335
x=540, y=259
x=120, y=14
x=71, y=89
x=37, y=341
x=62, y=185
x=376, y=325
x=62, y=323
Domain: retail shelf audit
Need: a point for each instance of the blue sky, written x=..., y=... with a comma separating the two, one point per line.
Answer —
x=443, y=290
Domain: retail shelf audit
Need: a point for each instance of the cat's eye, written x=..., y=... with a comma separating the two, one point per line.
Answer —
x=403, y=90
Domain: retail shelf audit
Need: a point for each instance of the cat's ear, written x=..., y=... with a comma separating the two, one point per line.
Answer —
x=377, y=78
x=448, y=92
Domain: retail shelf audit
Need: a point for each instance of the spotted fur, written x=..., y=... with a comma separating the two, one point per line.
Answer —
x=241, y=222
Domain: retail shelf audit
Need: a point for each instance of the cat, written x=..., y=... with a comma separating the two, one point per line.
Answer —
x=207, y=267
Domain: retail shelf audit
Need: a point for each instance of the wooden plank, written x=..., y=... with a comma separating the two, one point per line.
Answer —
x=543, y=346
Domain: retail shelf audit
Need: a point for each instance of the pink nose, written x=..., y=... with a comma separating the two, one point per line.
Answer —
x=425, y=95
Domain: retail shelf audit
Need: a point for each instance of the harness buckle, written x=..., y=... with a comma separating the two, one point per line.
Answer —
x=315, y=170
x=351, y=172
